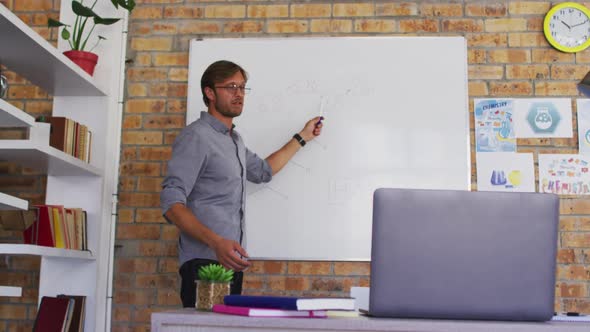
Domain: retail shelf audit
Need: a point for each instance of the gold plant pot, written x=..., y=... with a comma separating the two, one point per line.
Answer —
x=210, y=293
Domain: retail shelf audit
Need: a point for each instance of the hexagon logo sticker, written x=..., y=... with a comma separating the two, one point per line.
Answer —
x=543, y=117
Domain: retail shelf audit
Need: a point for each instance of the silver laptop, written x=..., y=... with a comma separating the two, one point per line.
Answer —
x=463, y=255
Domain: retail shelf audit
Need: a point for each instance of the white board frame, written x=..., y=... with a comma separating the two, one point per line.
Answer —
x=363, y=81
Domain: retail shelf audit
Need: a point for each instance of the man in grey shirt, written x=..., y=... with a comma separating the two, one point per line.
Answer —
x=203, y=193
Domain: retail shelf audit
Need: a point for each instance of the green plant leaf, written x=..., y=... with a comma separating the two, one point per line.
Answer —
x=65, y=34
x=127, y=4
x=215, y=272
x=54, y=23
x=105, y=21
x=81, y=10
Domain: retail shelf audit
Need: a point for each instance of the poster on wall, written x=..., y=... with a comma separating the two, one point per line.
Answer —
x=584, y=126
x=543, y=117
x=564, y=174
x=505, y=171
x=494, y=128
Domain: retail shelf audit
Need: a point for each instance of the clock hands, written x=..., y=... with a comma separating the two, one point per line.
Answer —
x=575, y=25
x=566, y=25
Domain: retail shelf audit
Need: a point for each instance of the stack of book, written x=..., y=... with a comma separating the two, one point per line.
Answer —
x=57, y=226
x=62, y=313
x=284, y=306
x=70, y=137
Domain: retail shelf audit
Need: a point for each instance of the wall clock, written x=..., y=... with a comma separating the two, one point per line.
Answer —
x=567, y=27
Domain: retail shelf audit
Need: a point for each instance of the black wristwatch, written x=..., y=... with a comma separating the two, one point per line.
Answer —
x=299, y=139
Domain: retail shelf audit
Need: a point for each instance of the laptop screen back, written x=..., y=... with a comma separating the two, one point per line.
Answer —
x=463, y=255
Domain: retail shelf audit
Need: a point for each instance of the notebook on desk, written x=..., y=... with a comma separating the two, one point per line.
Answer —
x=463, y=255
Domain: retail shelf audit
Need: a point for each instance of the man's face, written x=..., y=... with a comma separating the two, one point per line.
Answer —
x=229, y=101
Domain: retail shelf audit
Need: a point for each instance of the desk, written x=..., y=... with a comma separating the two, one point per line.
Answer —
x=185, y=320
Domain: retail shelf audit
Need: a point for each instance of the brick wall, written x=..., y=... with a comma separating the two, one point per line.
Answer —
x=508, y=56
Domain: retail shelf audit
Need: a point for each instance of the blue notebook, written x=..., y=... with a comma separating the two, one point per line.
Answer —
x=290, y=303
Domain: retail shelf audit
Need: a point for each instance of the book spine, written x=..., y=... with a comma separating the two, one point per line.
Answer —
x=261, y=302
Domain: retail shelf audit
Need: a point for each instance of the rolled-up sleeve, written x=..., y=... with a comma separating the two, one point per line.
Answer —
x=189, y=155
x=257, y=169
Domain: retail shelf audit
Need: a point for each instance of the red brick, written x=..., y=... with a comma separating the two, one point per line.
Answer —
x=443, y=10
x=140, y=169
x=169, y=232
x=268, y=267
x=396, y=9
x=310, y=268
x=143, y=298
x=155, y=153
x=150, y=216
x=418, y=25
x=138, y=232
x=145, y=106
x=484, y=9
x=142, y=138
x=155, y=280
x=136, y=265
x=139, y=199
x=167, y=265
x=242, y=27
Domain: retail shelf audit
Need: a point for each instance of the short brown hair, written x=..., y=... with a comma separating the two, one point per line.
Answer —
x=217, y=72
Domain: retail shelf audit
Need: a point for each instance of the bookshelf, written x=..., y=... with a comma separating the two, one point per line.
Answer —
x=8, y=202
x=11, y=291
x=96, y=102
x=45, y=158
x=11, y=116
x=32, y=250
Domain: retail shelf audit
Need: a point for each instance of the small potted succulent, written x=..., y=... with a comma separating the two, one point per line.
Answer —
x=213, y=284
x=78, y=36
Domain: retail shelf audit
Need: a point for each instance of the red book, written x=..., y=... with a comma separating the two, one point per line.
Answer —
x=41, y=231
x=264, y=312
x=52, y=315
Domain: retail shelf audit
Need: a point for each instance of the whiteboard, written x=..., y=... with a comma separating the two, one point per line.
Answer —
x=396, y=115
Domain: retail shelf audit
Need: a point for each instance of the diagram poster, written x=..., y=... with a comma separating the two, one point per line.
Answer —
x=564, y=174
x=494, y=128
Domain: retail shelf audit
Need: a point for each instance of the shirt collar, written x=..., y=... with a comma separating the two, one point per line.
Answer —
x=216, y=124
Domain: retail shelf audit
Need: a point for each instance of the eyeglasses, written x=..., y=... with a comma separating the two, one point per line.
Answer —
x=233, y=88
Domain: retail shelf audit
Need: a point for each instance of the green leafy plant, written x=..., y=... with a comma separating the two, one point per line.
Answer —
x=81, y=31
x=215, y=273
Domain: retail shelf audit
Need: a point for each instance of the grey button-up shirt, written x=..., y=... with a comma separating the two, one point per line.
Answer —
x=207, y=173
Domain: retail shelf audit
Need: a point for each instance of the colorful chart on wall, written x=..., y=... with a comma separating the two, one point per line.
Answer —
x=564, y=174
x=494, y=126
x=505, y=171
x=583, y=107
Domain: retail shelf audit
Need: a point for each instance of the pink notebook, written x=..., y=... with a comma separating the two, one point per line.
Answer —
x=261, y=312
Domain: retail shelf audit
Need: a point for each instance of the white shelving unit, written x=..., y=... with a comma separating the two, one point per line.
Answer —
x=28, y=54
x=8, y=202
x=11, y=116
x=93, y=101
x=11, y=291
x=32, y=250
x=42, y=157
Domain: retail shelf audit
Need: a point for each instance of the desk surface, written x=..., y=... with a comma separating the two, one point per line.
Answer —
x=190, y=320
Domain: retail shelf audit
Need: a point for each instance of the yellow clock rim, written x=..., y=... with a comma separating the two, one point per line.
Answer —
x=552, y=40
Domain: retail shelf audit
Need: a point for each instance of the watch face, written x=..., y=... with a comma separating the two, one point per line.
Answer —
x=568, y=28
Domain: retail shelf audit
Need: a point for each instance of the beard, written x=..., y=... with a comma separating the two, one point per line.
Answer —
x=230, y=110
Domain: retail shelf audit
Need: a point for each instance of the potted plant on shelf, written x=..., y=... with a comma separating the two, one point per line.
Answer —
x=212, y=285
x=78, y=36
